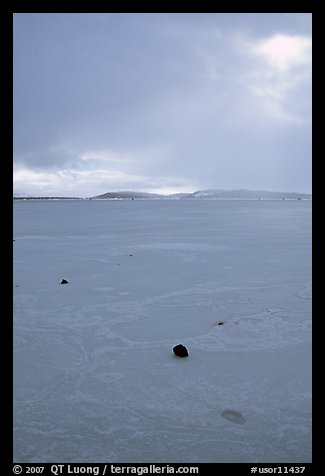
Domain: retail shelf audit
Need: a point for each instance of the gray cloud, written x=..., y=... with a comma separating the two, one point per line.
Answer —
x=160, y=101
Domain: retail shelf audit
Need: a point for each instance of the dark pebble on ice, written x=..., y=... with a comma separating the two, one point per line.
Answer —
x=233, y=416
x=180, y=350
x=64, y=281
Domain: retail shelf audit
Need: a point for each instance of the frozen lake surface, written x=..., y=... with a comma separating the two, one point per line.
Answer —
x=95, y=379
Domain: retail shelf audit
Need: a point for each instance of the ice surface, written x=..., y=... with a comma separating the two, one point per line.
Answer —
x=95, y=379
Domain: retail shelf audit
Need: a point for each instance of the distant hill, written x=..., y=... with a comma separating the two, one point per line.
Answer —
x=246, y=195
x=127, y=196
x=179, y=195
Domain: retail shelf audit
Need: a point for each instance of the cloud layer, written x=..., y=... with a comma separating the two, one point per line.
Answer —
x=159, y=102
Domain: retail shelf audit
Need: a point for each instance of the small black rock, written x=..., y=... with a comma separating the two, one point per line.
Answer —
x=64, y=281
x=180, y=350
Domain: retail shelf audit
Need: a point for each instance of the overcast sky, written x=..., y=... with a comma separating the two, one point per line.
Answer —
x=161, y=102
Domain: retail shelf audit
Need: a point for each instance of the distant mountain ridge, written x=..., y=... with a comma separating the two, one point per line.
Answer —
x=210, y=194
x=213, y=194
x=247, y=195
